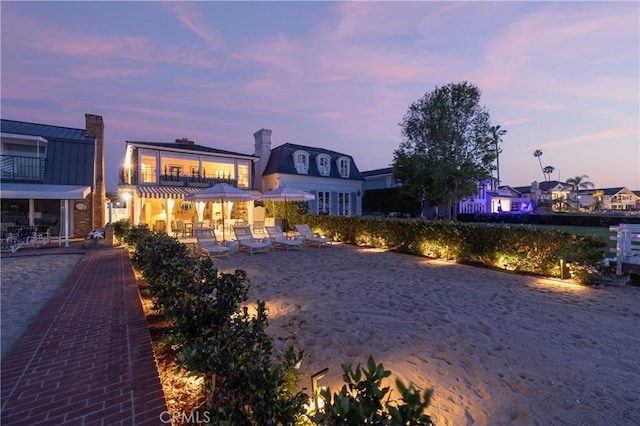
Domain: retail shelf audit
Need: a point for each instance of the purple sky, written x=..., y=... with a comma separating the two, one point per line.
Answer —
x=562, y=77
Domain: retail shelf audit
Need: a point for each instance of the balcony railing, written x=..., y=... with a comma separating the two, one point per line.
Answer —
x=17, y=167
x=172, y=179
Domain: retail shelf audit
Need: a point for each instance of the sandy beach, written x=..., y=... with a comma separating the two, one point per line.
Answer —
x=497, y=348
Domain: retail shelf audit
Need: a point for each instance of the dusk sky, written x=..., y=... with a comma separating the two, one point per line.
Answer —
x=562, y=77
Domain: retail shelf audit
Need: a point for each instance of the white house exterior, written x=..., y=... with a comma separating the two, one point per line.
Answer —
x=157, y=176
x=331, y=176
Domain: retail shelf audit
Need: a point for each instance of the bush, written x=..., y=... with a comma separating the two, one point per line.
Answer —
x=518, y=248
x=216, y=336
x=361, y=401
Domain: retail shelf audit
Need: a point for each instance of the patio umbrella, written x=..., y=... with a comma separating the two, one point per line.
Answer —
x=221, y=192
x=286, y=193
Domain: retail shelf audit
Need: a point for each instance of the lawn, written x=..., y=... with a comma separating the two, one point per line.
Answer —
x=596, y=231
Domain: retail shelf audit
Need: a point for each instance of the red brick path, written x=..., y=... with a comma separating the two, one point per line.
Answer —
x=87, y=359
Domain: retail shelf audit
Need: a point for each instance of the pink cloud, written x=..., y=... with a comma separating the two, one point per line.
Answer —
x=191, y=15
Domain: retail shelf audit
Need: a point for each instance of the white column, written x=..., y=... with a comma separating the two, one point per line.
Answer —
x=32, y=212
x=66, y=223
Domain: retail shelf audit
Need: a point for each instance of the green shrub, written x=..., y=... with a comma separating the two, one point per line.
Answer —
x=217, y=337
x=520, y=248
x=361, y=401
x=121, y=228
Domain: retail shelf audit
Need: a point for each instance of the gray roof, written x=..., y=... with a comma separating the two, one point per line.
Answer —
x=70, y=152
x=378, y=172
x=191, y=147
x=281, y=161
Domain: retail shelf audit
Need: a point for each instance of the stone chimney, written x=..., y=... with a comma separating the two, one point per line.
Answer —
x=262, y=150
x=95, y=129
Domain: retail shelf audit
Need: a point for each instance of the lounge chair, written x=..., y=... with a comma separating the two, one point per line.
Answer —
x=247, y=242
x=278, y=239
x=309, y=238
x=208, y=243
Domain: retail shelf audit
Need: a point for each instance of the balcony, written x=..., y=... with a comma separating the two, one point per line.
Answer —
x=172, y=179
x=19, y=168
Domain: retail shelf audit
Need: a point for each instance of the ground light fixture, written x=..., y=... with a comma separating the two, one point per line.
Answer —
x=314, y=385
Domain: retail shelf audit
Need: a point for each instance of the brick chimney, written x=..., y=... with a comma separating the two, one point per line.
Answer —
x=262, y=150
x=95, y=129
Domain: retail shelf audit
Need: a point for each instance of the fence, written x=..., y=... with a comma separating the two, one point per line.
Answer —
x=627, y=246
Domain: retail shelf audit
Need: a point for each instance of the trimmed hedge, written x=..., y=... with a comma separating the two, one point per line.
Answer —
x=514, y=247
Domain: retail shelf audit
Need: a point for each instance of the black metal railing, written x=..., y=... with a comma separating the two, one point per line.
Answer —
x=172, y=179
x=22, y=168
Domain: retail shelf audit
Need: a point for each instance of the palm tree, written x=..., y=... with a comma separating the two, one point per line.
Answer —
x=498, y=133
x=577, y=183
x=548, y=170
x=538, y=153
x=597, y=200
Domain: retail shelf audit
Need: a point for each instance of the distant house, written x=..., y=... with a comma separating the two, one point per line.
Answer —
x=379, y=179
x=487, y=199
x=157, y=176
x=53, y=176
x=617, y=198
x=333, y=177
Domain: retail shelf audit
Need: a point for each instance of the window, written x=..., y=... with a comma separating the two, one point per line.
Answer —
x=147, y=169
x=344, y=166
x=243, y=175
x=344, y=204
x=301, y=162
x=323, y=162
x=323, y=203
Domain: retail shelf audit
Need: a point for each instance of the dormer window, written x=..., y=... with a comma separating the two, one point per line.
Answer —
x=323, y=162
x=344, y=166
x=301, y=161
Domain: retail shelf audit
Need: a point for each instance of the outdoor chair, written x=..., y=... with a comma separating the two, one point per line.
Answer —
x=258, y=227
x=247, y=242
x=208, y=243
x=309, y=238
x=278, y=239
x=178, y=228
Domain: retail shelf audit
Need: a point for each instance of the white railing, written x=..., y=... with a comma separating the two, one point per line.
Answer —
x=627, y=244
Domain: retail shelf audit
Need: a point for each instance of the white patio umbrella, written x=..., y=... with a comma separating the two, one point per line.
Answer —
x=221, y=192
x=286, y=193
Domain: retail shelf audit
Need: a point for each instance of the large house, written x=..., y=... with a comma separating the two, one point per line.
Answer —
x=157, y=176
x=53, y=176
x=331, y=176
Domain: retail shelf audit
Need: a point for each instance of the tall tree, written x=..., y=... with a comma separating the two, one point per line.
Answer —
x=548, y=170
x=448, y=146
x=575, y=184
x=497, y=134
x=538, y=153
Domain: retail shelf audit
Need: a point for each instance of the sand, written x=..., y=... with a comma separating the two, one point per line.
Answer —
x=496, y=347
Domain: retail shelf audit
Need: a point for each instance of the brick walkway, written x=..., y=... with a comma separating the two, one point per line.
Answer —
x=87, y=359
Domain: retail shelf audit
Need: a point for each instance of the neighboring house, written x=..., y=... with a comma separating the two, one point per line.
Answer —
x=488, y=199
x=53, y=176
x=157, y=176
x=331, y=176
x=379, y=179
x=618, y=198
x=553, y=193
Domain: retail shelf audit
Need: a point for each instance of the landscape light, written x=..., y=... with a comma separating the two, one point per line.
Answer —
x=314, y=385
